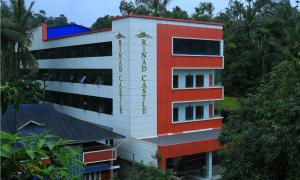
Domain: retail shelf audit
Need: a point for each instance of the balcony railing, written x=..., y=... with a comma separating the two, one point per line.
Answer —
x=99, y=153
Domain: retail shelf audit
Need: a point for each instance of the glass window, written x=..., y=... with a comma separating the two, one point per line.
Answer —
x=85, y=50
x=195, y=47
x=175, y=114
x=175, y=81
x=88, y=76
x=199, y=112
x=199, y=81
x=189, y=81
x=91, y=103
x=189, y=112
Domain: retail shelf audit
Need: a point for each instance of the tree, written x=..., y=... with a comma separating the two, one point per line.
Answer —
x=178, y=13
x=156, y=7
x=258, y=36
x=204, y=12
x=102, y=23
x=145, y=7
x=16, y=37
x=25, y=90
x=261, y=139
x=150, y=172
x=41, y=17
x=40, y=155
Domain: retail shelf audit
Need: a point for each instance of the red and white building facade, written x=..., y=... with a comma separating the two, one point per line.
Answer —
x=164, y=91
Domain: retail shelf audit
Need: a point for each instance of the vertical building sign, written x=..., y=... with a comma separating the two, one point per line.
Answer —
x=120, y=67
x=143, y=37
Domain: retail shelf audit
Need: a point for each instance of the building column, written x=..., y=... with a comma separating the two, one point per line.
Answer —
x=209, y=165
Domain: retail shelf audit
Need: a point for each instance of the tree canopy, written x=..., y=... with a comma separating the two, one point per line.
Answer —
x=262, y=138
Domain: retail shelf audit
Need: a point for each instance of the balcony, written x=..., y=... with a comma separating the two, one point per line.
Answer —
x=196, y=84
x=195, y=111
x=97, y=152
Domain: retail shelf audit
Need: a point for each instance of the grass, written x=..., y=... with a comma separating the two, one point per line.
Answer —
x=230, y=103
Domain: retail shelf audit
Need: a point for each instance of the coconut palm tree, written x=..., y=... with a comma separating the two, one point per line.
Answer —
x=16, y=37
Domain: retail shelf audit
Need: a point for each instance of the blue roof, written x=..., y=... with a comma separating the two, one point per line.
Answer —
x=35, y=118
x=65, y=30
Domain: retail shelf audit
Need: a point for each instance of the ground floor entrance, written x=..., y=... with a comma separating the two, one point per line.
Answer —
x=196, y=166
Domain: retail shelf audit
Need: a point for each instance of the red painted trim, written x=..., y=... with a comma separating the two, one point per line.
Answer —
x=166, y=61
x=197, y=94
x=189, y=148
x=81, y=34
x=96, y=156
x=193, y=61
x=44, y=32
x=166, y=19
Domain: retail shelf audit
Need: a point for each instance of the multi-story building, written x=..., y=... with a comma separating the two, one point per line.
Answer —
x=154, y=80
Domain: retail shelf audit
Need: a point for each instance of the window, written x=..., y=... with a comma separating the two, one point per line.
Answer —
x=91, y=103
x=85, y=50
x=175, y=81
x=189, y=81
x=196, y=47
x=87, y=76
x=199, y=112
x=189, y=111
x=175, y=114
x=199, y=81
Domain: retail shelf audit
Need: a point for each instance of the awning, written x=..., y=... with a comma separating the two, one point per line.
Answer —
x=185, y=137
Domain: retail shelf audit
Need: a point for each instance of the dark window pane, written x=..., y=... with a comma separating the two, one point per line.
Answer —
x=199, y=112
x=86, y=50
x=195, y=47
x=199, y=81
x=189, y=111
x=175, y=81
x=88, y=76
x=189, y=81
x=175, y=114
x=90, y=103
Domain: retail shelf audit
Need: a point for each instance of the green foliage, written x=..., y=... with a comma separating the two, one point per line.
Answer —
x=204, y=12
x=177, y=13
x=230, y=103
x=26, y=91
x=102, y=23
x=145, y=7
x=41, y=17
x=26, y=154
x=258, y=35
x=151, y=172
x=262, y=138
x=15, y=39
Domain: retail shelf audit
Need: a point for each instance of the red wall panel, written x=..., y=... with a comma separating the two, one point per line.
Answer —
x=166, y=61
x=105, y=155
x=189, y=148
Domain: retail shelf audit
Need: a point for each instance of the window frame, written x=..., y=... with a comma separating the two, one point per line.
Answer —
x=178, y=37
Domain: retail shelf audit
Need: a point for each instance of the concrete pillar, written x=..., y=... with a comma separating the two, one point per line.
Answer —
x=209, y=165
